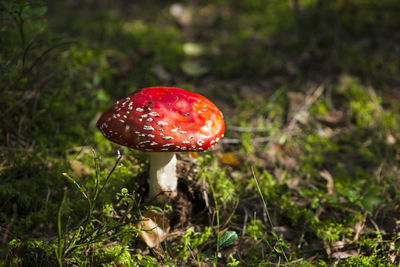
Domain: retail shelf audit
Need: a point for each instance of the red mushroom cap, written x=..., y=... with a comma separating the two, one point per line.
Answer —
x=163, y=119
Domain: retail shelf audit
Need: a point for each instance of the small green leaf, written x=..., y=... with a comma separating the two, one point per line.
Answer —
x=228, y=238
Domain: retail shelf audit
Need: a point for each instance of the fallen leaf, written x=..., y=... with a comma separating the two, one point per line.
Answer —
x=79, y=169
x=296, y=101
x=332, y=118
x=193, y=49
x=229, y=158
x=390, y=139
x=193, y=154
x=182, y=14
x=329, y=181
x=344, y=254
x=150, y=230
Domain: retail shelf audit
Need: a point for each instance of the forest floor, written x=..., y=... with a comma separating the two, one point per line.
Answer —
x=307, y=173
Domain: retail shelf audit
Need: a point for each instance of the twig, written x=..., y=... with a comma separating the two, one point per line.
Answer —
x=7, y=229
x=246, y=217
x=308, y=102
x=36, y=61
x=359, y=226
x=230, y=216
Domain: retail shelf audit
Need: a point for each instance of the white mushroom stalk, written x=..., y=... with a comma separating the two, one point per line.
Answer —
x=163, y=180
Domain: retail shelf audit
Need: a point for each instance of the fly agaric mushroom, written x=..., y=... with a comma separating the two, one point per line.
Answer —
x=163, y=121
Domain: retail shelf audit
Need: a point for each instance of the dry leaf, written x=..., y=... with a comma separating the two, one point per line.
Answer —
x=193, y=154
x=390, y=139
x=329, y=181
x=155, y=228
x=332, y=118
x=151, y=233
x=79, y=170
x=344, y=254
x=182, y=14
x=296, y=101
x=229, y=158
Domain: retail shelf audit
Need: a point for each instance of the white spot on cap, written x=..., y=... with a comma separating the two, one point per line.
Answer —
x=127, y=127
x=149, y=119
x=151, y=135
x=167, y=137
x=175, y=130
x=185, y=142
x=122, y=121
x=154, y=114
x=138, y=109
x=153, y=143
x=169, y=144
x=148, y=128
x=144, y=116
x=183, y=132
x=144, y=142
x=162, y=123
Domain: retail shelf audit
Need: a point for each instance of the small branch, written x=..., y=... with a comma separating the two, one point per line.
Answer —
x=245, y=219
x=310, y=99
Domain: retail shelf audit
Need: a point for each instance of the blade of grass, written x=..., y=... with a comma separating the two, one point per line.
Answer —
x=60, y=246
x=266, y=208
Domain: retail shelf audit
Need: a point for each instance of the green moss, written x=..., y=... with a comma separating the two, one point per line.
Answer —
x=318, y=179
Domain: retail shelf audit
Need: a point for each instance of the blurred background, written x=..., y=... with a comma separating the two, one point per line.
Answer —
x=310, y=91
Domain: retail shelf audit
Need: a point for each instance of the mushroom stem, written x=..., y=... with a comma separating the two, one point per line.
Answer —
x=162, y=175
